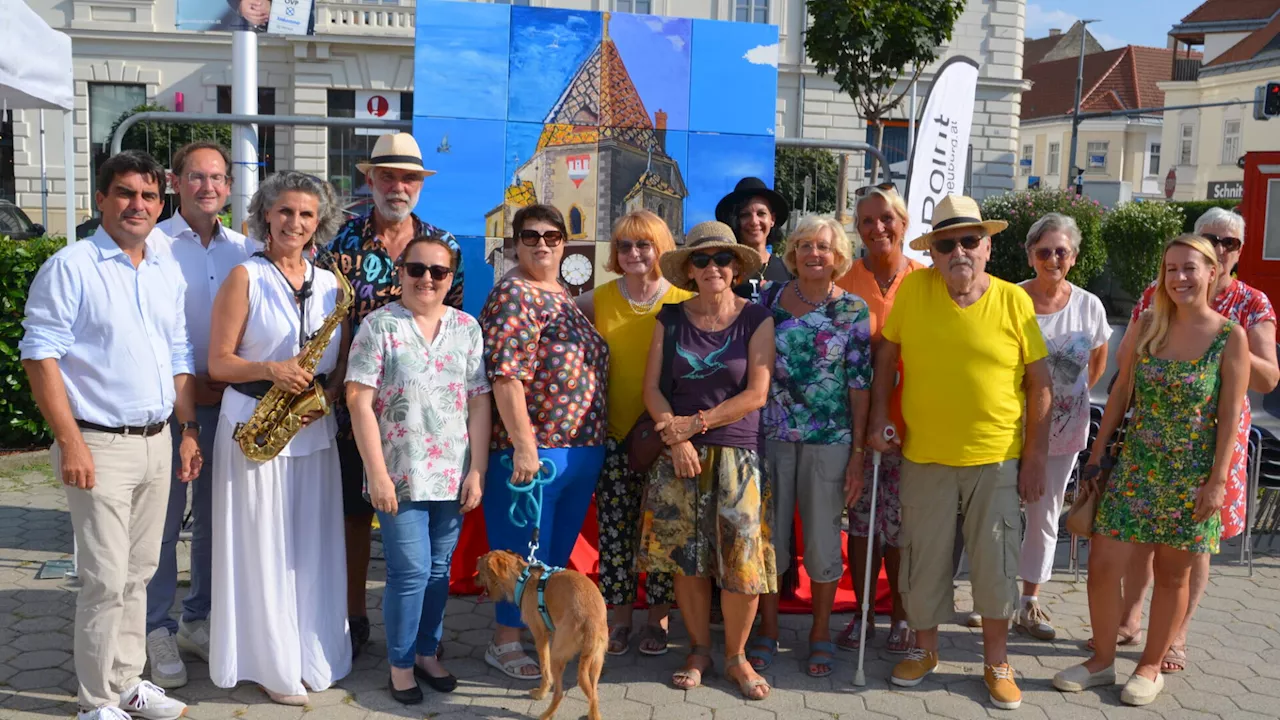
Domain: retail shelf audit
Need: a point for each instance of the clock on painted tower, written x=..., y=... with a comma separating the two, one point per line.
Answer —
x=576, y=270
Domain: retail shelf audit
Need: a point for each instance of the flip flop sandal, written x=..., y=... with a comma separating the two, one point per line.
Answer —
x=822, y=655
x=511, y=668
x=618, y=640
x=653, y=640
x=848, y=638
x=693, y=674
x=1175, y=659
x=746, y=686
x=1121, y=641
x=763, y=649
x=901, y=638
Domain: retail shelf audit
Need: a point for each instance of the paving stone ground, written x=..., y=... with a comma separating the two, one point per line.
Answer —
x=1234, y=654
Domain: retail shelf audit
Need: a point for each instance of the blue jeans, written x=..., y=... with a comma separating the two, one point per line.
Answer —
x=564, y=506
x=418, y=542
x=164, y=584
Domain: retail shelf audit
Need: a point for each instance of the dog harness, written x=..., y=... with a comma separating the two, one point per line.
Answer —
x=522, y=517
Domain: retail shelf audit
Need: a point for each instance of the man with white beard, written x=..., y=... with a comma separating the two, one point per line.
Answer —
x=367, y=250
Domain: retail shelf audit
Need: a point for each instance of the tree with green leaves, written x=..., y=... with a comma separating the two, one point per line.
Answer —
x=793, y=165
x=870, y=46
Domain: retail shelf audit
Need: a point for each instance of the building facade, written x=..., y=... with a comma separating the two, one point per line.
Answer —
x=130, y=52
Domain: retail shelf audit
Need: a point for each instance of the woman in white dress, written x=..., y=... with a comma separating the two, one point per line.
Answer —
x=279, y=615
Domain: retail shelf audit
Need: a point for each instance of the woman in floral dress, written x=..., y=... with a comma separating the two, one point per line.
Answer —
x=419, y=403
x=1187, y=369
x=814, y=422
x=1251, y=308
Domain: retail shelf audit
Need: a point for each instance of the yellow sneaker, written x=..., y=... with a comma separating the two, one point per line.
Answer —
x=1004, y=691
x=911, y=670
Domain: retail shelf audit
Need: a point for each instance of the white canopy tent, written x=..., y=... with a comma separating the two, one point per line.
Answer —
x=36, y=74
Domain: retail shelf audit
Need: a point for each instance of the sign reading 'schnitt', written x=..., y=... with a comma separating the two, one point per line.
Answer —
x=1226, y=190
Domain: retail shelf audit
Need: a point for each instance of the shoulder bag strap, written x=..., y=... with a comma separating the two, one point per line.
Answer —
x=665, y=380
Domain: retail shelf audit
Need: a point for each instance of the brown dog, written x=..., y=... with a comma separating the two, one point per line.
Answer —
x=577, y=611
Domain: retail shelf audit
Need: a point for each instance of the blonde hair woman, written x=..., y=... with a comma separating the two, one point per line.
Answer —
x=814, y=421
x=624, y=312
x=1185, y=366
x=882, y=224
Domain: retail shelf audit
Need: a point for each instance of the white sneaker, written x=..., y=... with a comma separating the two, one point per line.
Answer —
x=149, y=702
x=106, y=712
x=1034, y=621
x=167, y=669
x=194, y=638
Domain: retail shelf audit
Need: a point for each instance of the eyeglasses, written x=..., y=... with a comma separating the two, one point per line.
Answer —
x=722, y=258
x=865, y=190
x=1230, y=244
x=641, y=246
x=1043, y=254
x=531, y=237
x=946, y=247
x=808, y=247
x=416, y=270
x=199, y=178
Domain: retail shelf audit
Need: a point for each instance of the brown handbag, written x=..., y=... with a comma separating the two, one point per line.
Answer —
x=643, y=442
x=1084, y=508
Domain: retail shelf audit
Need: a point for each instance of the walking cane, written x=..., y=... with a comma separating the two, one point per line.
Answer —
x=860, y=677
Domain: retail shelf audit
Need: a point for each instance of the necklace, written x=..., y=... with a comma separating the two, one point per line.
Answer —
x=712, y=317
x=831, y=288
x=639, y=308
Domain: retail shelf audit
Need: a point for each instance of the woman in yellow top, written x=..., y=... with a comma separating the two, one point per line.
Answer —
x=624, y=313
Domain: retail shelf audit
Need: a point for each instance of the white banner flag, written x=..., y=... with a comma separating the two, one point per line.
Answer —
x=940, y=153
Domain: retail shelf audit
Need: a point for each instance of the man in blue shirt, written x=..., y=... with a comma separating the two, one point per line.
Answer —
x=206, y=251
x=106, y=352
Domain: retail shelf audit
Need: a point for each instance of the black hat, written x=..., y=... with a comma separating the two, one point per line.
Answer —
x=746, y=189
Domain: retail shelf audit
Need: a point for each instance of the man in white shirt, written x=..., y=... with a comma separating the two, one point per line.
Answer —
x=206, y=251
x=105, y=350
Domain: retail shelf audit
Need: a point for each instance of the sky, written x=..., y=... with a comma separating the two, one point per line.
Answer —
x=1123, y=22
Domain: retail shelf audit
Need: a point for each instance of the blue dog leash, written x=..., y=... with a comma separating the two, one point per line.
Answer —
x=522, y=514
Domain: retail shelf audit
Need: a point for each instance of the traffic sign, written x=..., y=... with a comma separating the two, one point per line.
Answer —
x=1170, y=183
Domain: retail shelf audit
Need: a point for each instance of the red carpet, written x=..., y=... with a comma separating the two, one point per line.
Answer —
x=585, y=559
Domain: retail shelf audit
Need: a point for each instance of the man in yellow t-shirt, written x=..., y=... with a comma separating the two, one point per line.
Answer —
x=975, y=400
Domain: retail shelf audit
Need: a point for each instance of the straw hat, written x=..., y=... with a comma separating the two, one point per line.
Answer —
x=396, y=150
x=710, y=235
x=957, y=211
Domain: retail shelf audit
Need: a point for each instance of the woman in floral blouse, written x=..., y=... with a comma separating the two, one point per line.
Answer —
x=419, y=402
x=549, y=369
x=818, y=404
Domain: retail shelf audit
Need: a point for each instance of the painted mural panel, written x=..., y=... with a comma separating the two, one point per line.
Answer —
x=462, y=60
x=555, y=66
x=467, y=157
x=716, y=163
x=733, y=85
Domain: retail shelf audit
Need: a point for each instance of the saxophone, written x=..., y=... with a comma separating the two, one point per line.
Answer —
x=278, y=415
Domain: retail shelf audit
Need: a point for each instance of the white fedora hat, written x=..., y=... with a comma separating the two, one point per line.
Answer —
x=957, y=211
x=396, y=150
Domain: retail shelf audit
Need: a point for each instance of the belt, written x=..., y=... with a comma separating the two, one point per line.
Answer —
x=143, y=430
x=258, y=389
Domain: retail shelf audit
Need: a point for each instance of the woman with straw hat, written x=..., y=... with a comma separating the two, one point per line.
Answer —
x=707, y=505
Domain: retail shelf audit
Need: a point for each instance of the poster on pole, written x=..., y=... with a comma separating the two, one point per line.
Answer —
x=274, y=17
x=940, y=153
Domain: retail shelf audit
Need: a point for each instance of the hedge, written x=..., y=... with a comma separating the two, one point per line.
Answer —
x=1021, y=210
x=1135, y=234
x=21, y=425
x=1193, y=209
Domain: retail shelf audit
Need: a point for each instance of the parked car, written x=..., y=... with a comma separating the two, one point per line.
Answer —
x=16, y=224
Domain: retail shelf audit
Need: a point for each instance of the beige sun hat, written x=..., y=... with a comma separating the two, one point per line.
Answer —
x=710, y=235
x=957, y=211
x=396, y=150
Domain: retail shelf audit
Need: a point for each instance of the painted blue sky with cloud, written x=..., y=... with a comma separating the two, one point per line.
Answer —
x=716, y=164
x=468, y=180
x=547, y=47
x=657, y=52
x=461, y=60
x=734, y=80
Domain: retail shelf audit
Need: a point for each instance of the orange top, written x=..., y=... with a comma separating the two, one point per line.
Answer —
x=862, y=282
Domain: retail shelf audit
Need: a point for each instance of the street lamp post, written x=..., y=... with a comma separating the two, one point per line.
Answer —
x=1072, y=175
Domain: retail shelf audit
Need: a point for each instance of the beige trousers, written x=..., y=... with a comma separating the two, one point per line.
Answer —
x=118, y=527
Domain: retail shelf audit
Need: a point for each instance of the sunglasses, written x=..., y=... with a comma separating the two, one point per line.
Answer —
x=641, y=246
x=1043, y=254
x=531, y=237
x=865, y=190
x=722, y=258
x=946, y=247
x=416, y=270
x=1230, y=244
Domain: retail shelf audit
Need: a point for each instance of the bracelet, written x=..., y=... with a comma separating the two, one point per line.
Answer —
x=702, y=419
x=858, y=449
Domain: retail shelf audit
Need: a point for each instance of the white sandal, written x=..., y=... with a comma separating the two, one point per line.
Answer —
x=511, y=668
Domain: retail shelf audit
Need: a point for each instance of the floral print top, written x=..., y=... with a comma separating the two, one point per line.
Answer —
x=1167, y=454
x=821, y=356
x=1249, y=307
x=422, y=393
x=543, y=340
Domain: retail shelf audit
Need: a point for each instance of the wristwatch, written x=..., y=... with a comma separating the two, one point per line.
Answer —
x=190, y=425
